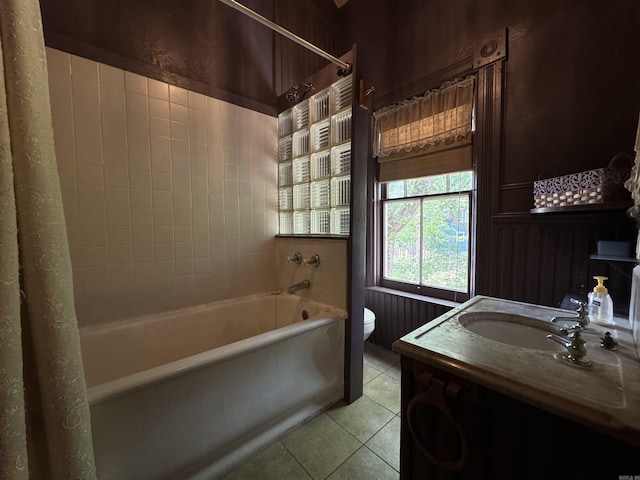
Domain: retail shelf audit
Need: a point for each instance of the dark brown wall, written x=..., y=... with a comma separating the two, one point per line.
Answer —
x=570, y=102
x=572, y=76
x=202, y=45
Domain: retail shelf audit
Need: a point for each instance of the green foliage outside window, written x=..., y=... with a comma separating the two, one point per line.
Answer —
x=427, y=238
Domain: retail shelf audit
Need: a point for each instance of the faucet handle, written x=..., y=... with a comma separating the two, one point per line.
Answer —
x=312, y=261
x=582, y=309
x=295, y=258
x=576, y=328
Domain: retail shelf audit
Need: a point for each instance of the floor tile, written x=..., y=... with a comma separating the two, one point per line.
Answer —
x=362, y=419
x=369, y=373
x=275, y=463
x=379, y=357
x=364, y=465
x=320, y=446
x=394, y=372
x=384, y=390
x=386, y=443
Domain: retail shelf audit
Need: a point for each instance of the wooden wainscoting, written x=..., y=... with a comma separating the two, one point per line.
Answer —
x=398, y=314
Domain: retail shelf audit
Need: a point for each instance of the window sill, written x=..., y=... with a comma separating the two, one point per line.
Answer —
x=413, y=296
x=305, y=235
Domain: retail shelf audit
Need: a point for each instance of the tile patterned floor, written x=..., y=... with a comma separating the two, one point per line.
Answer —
x=360, y=441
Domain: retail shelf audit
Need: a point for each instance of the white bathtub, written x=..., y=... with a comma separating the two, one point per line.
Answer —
x=193, y=393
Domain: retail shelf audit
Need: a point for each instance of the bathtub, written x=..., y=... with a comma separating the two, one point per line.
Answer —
x=193, y=393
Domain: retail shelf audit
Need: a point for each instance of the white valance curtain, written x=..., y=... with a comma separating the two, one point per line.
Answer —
x=439, y=121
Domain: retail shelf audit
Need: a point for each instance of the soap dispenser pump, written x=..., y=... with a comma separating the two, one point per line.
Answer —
x=600, y=304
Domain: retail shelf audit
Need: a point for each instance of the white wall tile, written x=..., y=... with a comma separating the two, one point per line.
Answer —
x=119, y=235
x=84, y=68
x=141, y=216
x=110, y=76
x=164, y=191
x=141, y=235
x=135, y=83
x=183, y=233
x=141, y=197
x=143, y=253
x=179, y=113
x=159, y=127
x=137, y=102
x=116, y=176
x=159, y=108
x=179, y=131
x=85, y=90
x=178, y=95
x=90, y=174
x=118, y=216
x=119, y=254
x=139, y=159
x=115, y=155
x=58, y=61
x=161, y=146
x=158, y=89
x=163, y=234
x=91, y=195
x=139, y=179
x=162, y=199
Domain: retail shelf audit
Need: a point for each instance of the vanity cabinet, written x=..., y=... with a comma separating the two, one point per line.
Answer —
x=454, y=428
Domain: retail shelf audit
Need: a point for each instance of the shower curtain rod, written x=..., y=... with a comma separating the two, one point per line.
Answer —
x=291, y=36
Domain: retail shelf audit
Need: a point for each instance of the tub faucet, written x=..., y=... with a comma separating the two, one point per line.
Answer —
x=299, y=286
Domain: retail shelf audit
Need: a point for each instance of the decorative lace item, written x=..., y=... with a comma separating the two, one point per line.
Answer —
x=597, y=186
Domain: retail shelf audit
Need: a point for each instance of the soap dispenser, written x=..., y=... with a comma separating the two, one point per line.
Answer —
x=600, y=304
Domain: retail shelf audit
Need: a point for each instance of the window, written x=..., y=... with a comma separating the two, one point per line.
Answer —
x=426, y=234
x=426, y=192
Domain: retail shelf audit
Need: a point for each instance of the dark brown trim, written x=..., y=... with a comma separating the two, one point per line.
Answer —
x=487, y=153
x=357, y=244
x=516, y=186
x=459, y=68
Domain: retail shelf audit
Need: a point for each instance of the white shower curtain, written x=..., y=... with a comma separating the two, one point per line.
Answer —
x=44, y=415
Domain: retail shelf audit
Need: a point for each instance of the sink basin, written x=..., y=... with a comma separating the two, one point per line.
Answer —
x=512, y=329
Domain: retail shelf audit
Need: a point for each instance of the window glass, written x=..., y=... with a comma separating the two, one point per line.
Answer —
x=445, y=242
x=402, y=240
x=426, y=232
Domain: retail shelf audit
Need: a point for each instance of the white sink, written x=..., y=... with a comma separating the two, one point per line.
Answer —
x=512, y=329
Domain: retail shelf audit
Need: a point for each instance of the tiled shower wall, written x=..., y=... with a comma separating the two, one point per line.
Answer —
x=328, y=281
x=170, y=196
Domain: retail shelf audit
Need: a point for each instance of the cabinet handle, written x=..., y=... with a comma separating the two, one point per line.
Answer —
x=434, y=397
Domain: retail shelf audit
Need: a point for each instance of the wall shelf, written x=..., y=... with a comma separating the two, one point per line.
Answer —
x=594, y=207
x=612, y=258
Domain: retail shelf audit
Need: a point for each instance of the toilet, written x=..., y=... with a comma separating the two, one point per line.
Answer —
x=369, y=322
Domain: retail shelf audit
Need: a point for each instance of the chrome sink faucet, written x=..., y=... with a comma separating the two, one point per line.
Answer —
x=299, y=286
x=582, y=318
x=575, y=345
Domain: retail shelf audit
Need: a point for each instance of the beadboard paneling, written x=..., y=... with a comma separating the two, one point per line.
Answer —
x=398, y=315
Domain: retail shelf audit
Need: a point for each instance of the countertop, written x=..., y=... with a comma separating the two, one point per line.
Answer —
x=605, y=396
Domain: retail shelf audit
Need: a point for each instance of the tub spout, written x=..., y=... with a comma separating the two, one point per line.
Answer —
x=299, y=286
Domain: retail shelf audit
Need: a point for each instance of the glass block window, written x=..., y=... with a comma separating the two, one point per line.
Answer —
x=314, y=153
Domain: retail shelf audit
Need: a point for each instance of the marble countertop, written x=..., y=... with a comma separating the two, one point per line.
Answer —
x=605, y=396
